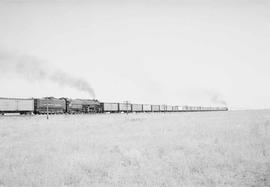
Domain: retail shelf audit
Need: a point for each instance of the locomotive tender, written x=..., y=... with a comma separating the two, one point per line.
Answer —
x=53, y=105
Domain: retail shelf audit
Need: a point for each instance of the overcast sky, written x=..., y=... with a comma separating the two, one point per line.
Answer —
x=173, y=52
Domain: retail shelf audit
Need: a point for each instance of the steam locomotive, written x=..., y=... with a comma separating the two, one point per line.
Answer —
x=53, y=105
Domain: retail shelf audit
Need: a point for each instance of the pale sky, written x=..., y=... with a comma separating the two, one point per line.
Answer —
x=157, y=52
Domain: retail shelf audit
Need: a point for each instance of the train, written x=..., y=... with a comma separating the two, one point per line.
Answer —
x=52, y=105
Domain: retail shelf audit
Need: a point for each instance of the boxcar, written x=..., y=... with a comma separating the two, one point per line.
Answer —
x=190, y=108
x=195, y=108
x=147, y=108
x=53, y=105
x=75, y=106
x=169, y=108
x=137, y=107
x=155, y=108
x=15, y=105
x=162, y=108
x=185, y=108
x=124, y=107
x=175, y=108
x=109, y=107
x=180, y=109
x=199, y=108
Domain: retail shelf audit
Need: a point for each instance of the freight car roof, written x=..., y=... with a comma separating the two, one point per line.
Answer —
x=16, y=98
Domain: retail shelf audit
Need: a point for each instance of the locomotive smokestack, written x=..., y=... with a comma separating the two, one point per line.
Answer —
x=32, y=68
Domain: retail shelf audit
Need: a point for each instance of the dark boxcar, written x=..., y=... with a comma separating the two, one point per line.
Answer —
x=49, y=104
x=83, y=106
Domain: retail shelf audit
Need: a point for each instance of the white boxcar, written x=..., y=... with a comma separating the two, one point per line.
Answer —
x=124, y=107
x=147, y=108
x=155, y=108
x=190, y=108
x=180, y=108
x=8, y=105
x=185, y=108
x=162, y=108
x=175, y=108
x=169, y=108
x=137, y=107
x=110, y=107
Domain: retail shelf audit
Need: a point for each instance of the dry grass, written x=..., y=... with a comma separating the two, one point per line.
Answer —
x=180, y=149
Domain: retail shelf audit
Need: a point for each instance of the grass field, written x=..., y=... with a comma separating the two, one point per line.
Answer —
x=174, y=149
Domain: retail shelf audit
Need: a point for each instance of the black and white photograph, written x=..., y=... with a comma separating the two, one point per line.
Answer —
x=134, y=93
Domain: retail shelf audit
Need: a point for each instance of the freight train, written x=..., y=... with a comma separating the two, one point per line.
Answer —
x=53, y=105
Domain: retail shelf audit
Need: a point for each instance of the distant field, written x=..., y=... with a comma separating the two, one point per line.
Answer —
x=174, y=149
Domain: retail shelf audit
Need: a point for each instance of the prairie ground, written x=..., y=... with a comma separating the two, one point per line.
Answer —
x=173, y=149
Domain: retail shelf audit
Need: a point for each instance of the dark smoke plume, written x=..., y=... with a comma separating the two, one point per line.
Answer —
x=217, y=99
x=33, y=69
